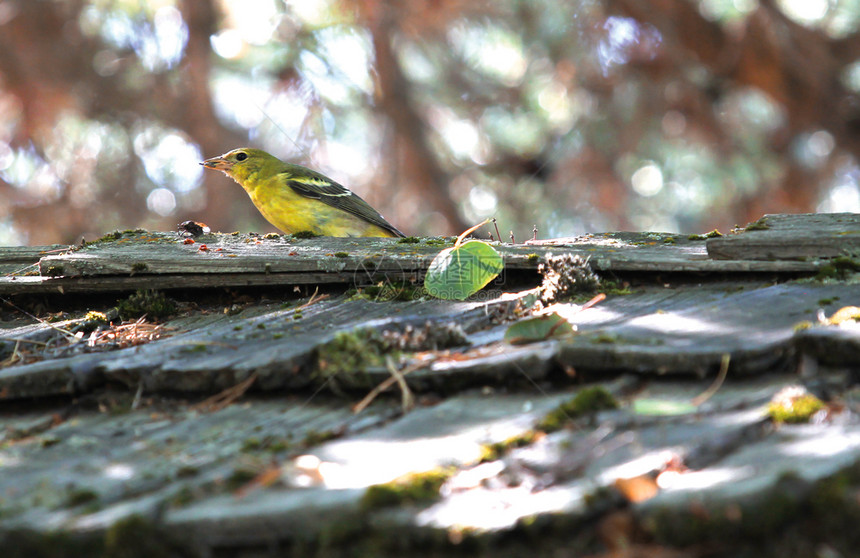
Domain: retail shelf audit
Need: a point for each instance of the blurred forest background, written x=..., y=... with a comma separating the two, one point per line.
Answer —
x=574, y=115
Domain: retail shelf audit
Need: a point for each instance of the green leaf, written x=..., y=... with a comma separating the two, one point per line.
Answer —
x=459, y=272
x=663, y=407
x=538, y=329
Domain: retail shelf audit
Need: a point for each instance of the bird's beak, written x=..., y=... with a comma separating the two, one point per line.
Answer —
x=218, y=163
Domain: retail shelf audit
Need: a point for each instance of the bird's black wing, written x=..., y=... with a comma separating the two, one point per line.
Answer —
x=312, y=184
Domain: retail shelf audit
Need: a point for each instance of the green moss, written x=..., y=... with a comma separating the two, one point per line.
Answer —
x=800, y=326
x=277, y=336
x=109, y=237
x=135, y=536
x=826, y=271
x=54, y=271
x=271, y=444
x=119, y=405
x=305, y=234
x=532, y=258
x=838, y=268
x=492, y=452
x=760, y=225
x=350, y=353
x=369, y=266
x=251, y=444
x=409, y=240
x=58, y=317
x=388, y=291
x=183, y=497
x=353, y=293
x=713, y=234
x=153, y=304
x=827, y=301
x=80, y=496
x=609, y=287
x=317, y=437
x=341, y=254
x=96, y=317
x=139, y=267
x=603, y=338
x=600, y=497
x=239, y=478
x=272, y=236
x=588, y=400
x=846, y=264
x=439, y=241
x=113, y=236
x=670, y=240
x=48, y=440
x=416, y=488
x=277, y=445
x=795, y=410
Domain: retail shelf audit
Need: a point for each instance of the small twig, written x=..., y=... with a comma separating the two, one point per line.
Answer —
x=597, y=298
x=267, y=477
x=469, y=231
x=534, y=232
x=512, y=238
x=552, y=330
x=407, y=400
x=387, y=383
x=313, y=300
x=127, y=334
x=226, y=397
x=23, y=270
x=724, y=370
x=57, y=250
x=19, y=340
x=368, y=399
x=498, y=234
x=567, y=311
x=14, y=357
x=41, y=321
x=135, y=403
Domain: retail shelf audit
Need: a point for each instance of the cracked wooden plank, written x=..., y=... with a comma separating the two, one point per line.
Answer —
x=791, y=237
x=165, y=261
x=188, y=474
x=278, y=344
x=678, y=330
x=19, y=260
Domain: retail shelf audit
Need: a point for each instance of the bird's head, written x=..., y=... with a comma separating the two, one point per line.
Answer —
x=240, y=163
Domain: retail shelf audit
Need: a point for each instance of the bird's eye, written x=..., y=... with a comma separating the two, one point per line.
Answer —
x=241, y=156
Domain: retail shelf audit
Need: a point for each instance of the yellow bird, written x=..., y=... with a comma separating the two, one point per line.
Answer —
x=294, y=198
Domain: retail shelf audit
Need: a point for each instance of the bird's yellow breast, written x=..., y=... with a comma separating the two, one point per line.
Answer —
x=292, y=213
